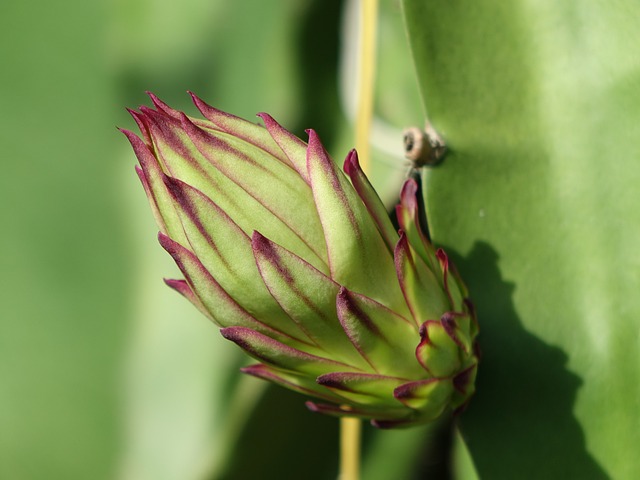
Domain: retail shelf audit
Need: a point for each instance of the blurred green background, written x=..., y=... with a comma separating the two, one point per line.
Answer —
x=104, y=371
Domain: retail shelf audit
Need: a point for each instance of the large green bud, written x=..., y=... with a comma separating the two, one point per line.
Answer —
x=303, y=269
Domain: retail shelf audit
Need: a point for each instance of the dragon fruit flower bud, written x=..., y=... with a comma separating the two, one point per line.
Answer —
x=301, y=267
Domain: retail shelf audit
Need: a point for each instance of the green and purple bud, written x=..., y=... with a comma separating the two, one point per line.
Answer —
x=302, y=268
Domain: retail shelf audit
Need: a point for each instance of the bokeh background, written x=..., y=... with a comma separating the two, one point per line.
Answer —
x=104, y=371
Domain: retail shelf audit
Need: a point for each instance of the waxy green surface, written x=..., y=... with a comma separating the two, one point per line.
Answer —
x=539, y=103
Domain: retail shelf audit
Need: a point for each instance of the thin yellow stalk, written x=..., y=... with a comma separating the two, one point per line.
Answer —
x=366, y=77
x=350, y=428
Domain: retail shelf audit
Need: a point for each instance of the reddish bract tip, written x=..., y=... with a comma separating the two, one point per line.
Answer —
x=408, y=194
x=401, y=252
x=342, y=299
x=265, y=117
x=263, y=248
x=314, y=139
x=175, y=283
x=351, y=164
x=132, y=137
x=177, y=190
x=210, y=113
x=463, y=380
x=331, y=380
x=408, y=389
x=425, y=341
x=390, y=424
x=261, y=244
x=443, y=258
x=312, y=406
x=182, y=287
x=193, y=96
x=258, y=370
x=329, y=409
x=256, y=236
x=198, y=102
x=141, y=175
x=161, y=106
x=166, y=243
x=196, y=134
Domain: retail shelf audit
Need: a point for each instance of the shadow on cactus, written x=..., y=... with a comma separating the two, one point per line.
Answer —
x=548, y=380
x=303, y=269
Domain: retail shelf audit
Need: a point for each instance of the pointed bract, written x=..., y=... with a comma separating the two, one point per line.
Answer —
x=225, y=251
x=438, y=352
x=362, y=388
x=294, y=149
x=356, y=250
x=239, y=128
x=183, y=288
x=277, y=354
x=430, y=397
x=152, y=178
x=379, y=334
x=222, y=308
x=306, y=295
x=420, y=286
x=409, y=221
x=299, y=383
x=370, y=199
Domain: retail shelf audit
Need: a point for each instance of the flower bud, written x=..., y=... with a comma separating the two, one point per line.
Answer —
x=301, y=267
